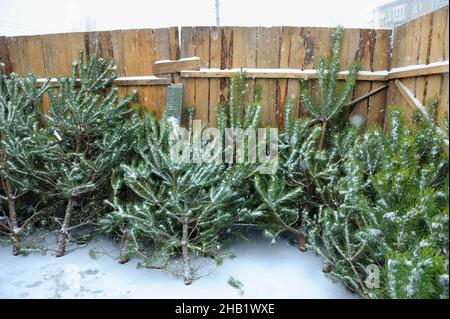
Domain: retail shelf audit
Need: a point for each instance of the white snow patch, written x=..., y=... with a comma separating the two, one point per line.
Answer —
x=265, y=270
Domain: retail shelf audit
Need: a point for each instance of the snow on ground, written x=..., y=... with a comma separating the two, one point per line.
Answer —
x=266, y=271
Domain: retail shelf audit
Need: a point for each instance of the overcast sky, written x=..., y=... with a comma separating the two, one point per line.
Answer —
x=19, y=17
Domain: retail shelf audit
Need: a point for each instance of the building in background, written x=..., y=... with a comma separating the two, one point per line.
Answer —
x=401, y=11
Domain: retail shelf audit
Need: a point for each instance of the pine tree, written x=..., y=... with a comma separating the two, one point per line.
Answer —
x=393, y=214
x=83, y=141
x=181, y=207
x=20, y=103
x=308, y=174
x=330, y=100
x=304, y=180
x=238, y=113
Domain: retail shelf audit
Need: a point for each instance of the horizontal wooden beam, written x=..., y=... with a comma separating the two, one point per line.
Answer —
x=418, y=70
x=141, y=80
x=254, y=73
x=176, y=66
x=415, y=104
x=278, y=74
x=122, y=81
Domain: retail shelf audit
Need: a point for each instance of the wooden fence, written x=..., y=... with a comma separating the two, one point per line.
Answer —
x=422, y=41
x=293, y=51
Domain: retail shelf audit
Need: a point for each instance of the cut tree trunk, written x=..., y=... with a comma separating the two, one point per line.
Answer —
x=326, y=267
x=323, y=134
x=302, y=242
x=63, y=233
x=122, y=258
x=185, y=252
x=13, y=218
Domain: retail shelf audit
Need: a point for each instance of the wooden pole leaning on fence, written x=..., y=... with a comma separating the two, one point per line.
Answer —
x=366, y=96
x=416, y=105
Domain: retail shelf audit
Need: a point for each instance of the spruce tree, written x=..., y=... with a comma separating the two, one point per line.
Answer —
x=83, y=141
x=308, y=172
x=393, y=214
x=20, y=103
x=330, y=100
x=303, y=182
x=239, y=114
x=180, y=207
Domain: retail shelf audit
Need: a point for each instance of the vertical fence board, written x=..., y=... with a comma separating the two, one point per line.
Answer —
x=268, y=57
x=201, y=101
x=296, y=54
x=244, y=54
x=214, y=84
x=381, y=60
x=285, y=51
x=357, y=50
x=436, y=51
x=187, y=50
x=226, y=59
x=4, y=55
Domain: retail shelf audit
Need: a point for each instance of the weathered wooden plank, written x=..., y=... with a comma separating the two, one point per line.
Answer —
x=4, y=56
x=121, y=81
x=245, y=42
x=201, y=38
x=99, y=44
x=150, y=98
x=141, y=80
x=165, y=45
x=443, y=107
x=268, y=57
x=139, y=56
x=364, y=53
x=174, y=43
x=168, y=66
x=381, y=60
x=187, y=50
x=263, y=73
x=60, y=51
x=423, y=54
x=444, y=101
x=285, y=46
x=318, y=42
x=214, y=84
x=409, y=57
x=296, y=54
x=391, y=92
x=226, y=60
x=437, y=50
